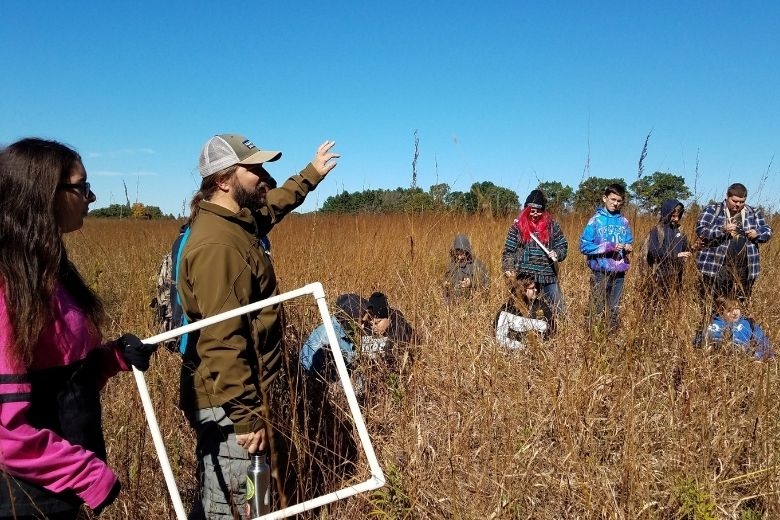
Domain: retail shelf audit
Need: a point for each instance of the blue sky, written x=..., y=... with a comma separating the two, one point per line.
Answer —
x=511, y=92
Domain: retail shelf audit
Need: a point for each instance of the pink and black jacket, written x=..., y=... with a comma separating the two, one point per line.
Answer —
x=52, y=452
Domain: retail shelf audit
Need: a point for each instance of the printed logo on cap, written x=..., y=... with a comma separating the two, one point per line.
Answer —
x=249, y=144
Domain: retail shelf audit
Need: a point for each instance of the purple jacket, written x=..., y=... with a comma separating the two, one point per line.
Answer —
x=601, y=235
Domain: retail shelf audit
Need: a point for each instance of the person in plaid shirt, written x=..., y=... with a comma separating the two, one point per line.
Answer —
x=729, y=233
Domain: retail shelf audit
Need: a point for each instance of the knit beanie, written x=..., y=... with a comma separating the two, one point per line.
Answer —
x=377, y=304
x=536, y=199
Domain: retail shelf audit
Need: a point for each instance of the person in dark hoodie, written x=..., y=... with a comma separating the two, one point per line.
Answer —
x=667, y=250
x=465, y=273
x=385, y=332
x=383, y=343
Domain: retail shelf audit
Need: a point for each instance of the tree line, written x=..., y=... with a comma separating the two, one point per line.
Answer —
x=647, y=193
x=136, y=210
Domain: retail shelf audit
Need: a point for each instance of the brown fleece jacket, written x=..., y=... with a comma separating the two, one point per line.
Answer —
x=224, y=267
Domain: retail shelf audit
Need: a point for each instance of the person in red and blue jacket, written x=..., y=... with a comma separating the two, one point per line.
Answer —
x=606, y=242
x=53, y=361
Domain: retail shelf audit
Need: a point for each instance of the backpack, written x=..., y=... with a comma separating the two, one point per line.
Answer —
x=168, y=313
x=700, y=243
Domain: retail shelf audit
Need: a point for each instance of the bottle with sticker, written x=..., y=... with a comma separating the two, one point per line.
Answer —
x=258, y=488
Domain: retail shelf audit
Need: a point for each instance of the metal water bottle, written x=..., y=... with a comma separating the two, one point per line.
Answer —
x=258, y=485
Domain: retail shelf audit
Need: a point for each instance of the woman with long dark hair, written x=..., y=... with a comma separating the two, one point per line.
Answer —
x=53, y=362
x=533, y=248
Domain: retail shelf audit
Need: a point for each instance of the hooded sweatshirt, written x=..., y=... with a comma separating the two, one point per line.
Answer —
x=349, y=309
x=469, y=268
x=666, y=241
x=603, y=232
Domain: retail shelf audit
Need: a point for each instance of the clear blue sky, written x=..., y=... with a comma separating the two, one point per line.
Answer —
x=511, y=92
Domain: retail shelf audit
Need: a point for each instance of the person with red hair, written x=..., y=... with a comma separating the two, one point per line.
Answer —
x=533, y=248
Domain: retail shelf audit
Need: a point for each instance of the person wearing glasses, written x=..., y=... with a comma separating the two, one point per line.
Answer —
x=606, y=242
x=53, y=361
x=233, y=378
x=533, y=248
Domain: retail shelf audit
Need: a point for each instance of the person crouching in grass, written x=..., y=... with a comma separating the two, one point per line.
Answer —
x=730, y=327
x=524, y=316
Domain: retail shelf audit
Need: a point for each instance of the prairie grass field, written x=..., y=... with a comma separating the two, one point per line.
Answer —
x=639, y=424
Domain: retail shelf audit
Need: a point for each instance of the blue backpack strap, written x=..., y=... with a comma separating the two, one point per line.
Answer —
x=184, y=321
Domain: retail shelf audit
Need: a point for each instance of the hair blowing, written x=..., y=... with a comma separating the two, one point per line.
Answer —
x=32, y=254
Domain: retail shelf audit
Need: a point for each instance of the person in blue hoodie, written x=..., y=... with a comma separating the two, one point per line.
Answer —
x=606, y=242
x=730, y=326
x=667, y=251
x=316, y=357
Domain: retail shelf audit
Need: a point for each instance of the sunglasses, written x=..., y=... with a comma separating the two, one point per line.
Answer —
x=83, y=187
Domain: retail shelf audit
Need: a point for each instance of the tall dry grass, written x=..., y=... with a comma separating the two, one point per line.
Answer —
x=639, y=424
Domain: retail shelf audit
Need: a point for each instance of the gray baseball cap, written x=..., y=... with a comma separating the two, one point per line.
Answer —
x=226, y=150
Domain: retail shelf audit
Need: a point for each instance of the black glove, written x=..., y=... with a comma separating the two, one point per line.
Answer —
x=136, y=353
x=111, y=494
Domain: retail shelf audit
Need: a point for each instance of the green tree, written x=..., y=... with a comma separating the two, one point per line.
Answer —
x=337, y=203
x=416, y=200
x=460, y=201
x=494, y=199
x=137, y=210
x=484, y=196
x=112, y=211
x=559, y=197
x=652, y=190
x=155, y=213
x=439, y=193
x=591, y=190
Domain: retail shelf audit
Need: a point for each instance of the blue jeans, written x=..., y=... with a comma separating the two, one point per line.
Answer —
x=552, y=293
x=606, y=287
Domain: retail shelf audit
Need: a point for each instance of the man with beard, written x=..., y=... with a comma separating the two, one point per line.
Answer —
x=232, y=375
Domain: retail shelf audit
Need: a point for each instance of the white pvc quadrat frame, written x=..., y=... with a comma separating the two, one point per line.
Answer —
x=377, y=478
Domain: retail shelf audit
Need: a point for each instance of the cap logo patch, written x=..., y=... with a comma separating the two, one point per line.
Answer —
x=249, y=144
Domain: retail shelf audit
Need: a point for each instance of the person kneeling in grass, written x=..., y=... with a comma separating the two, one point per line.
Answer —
x=731, y=327
x=523, y=316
